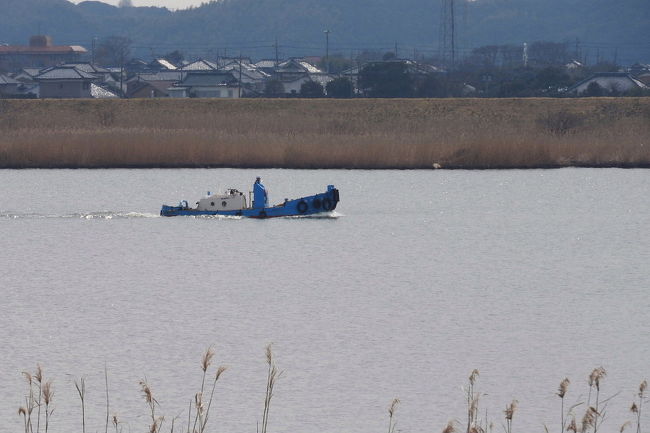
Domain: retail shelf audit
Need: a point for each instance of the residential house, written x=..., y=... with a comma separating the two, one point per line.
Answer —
x=153, y=84
x=65, y=82
x=638, y=69
x=8, y=86
x=644, y=78
x=104, y=76
x=211, y=84
x=39, y=53
x=199, y=65
x=148, y=89
x=267, y=66
x=250, y=76
x=608, y=82
x=293, y=73
x=161, y=65
x=26, y=75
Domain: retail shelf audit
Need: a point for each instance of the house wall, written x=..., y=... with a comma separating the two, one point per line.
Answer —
x=294, y=86
x=8, y=89
x=65, y=89
x=214, y=92
x=148, y=92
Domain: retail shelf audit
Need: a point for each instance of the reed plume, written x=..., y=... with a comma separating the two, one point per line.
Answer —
x=22, y=411
x=595, y=377
x=509, y=413
x=273, y=375
x=48, y=395
x=30, y=401
x=391, y=414
x=38, y=377
x=151, y=402
x=472, y=401
x=206, y=361
x=116, y=422
x=572, y=427
x=450, y=427
x=589, y=419
x=562, y=390
x=637, y=409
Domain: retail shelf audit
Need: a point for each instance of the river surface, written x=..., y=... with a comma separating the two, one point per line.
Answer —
x=418, y=278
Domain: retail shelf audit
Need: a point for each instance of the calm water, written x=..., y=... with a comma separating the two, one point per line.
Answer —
x=422, y=276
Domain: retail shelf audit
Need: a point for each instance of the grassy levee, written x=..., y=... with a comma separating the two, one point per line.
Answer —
x=326, y=133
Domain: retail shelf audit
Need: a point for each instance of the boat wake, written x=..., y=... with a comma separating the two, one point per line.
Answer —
x=109, y=215
x=106, y=215
x=318, y=216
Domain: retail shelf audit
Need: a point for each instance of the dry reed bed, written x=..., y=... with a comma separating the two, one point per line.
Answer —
x=359, y=133
x=577, y=414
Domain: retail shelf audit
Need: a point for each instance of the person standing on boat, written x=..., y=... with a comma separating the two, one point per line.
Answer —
x=260, y=198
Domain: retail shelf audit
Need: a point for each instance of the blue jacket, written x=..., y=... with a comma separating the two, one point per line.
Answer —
x=260, y=198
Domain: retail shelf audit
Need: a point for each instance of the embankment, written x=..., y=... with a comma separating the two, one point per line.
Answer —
x=325, y=133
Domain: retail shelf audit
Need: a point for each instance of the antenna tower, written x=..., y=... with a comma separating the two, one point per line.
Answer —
x=448, y=30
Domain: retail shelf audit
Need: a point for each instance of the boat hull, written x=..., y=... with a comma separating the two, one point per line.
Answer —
x=311, y=205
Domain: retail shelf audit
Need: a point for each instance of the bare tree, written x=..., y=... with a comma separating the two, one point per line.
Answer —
x=113, y=50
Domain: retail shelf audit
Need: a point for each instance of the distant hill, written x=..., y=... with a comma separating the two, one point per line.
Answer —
x=598, y=28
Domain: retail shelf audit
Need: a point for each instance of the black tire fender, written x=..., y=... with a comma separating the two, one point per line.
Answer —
x=302, y=206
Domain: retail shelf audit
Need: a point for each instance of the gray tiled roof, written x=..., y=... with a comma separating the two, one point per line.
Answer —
x=64, y=73
x=7, y=80
x=208, y=79
x=266, y=64
x=201, y=65
x=162, y=76
x=87, y=67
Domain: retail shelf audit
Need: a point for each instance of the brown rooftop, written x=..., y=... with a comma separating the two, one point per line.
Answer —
x=41, y=44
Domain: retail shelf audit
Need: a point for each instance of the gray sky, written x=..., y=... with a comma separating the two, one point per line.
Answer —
x=171, y=4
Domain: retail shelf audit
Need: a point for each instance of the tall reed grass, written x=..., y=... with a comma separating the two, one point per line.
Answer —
x=40, y=391
x=363, y=133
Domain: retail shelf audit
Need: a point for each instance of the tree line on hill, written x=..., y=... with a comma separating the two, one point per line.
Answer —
x=599, y=27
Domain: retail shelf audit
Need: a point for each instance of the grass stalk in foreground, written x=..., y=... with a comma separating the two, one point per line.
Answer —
x=510, y=412
x=562, y=390
x=273, y=375
x=81, y=390
x=391, y=415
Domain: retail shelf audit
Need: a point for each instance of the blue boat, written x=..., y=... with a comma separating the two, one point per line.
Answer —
x=233, y=203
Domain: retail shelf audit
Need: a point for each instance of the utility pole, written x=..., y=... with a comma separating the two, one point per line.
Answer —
x=93, y=50
x=453, y=35
x=327, y=50
x=525, y=58
x=448, y=33
x=276, y=51
x=239, y=94
x=396, y=56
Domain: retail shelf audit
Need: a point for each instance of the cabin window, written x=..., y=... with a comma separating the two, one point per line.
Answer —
x=212, y=204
